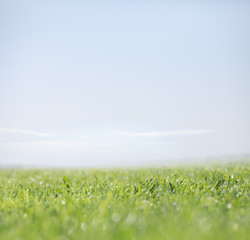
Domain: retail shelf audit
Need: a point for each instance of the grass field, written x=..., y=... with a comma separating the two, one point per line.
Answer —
x=169, y=203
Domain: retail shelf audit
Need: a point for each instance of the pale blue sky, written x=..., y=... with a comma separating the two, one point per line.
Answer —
x=100, y=82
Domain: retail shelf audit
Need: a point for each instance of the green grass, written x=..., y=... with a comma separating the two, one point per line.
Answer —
x=169, y=203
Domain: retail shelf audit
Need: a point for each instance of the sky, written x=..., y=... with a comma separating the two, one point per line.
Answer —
x=102, y=83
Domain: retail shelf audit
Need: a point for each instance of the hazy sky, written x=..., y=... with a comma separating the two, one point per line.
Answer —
x=100, y=82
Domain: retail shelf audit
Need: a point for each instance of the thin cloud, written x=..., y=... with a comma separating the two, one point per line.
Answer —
x=68, y=144
x=24, y=131
x=167, y=133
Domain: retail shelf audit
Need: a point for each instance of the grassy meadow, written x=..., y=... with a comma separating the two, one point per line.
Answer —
x=167, y=203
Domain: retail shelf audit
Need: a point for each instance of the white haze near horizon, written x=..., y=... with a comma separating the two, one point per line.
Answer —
x=103, y=83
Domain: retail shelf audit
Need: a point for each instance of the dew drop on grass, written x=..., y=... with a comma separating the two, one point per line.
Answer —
x=131, y=218
x=116, y=217
x=103, y=226
x=235, y=226
x=83, y=226
x=71, y=231
x=32, y=179
x=229, y=205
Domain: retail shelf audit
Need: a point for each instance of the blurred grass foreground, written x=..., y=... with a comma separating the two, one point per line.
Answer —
x=168, y=203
